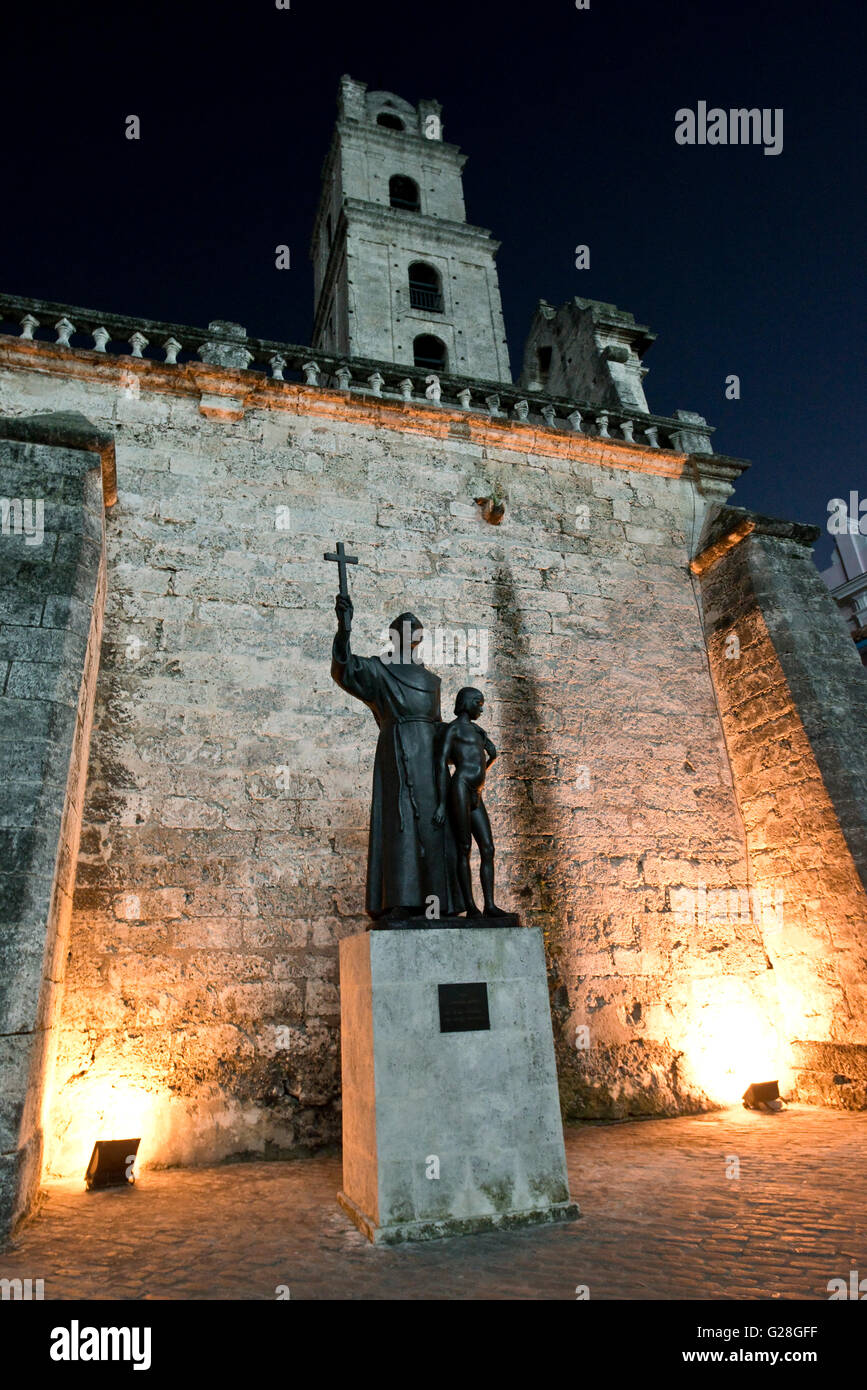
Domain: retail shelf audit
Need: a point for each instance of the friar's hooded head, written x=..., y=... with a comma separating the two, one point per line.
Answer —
x=406, y=633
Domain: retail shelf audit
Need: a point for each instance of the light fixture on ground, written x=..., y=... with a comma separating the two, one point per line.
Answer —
x=763, y=1095
x=112, y=1163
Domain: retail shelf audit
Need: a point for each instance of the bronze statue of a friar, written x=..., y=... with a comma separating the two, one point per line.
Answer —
x=415, y=869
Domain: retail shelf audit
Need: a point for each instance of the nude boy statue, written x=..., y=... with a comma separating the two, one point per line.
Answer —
x=471, y=752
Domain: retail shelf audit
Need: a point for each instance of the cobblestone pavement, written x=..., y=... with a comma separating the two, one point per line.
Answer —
x=661, y=1220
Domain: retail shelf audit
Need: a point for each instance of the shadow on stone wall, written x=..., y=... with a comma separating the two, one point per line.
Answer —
x=538, y=883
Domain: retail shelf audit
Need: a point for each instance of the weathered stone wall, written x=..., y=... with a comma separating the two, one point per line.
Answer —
x=223, y=852
x=793, y=700
x=52, y=590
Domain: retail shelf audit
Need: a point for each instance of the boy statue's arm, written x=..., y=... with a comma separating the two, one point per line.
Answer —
x=490, y=750
x=443, y=777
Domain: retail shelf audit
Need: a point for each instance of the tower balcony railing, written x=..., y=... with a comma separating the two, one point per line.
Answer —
x=69, y=329
x=423, y=297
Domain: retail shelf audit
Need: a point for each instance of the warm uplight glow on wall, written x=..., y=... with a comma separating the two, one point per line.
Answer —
x=114, y=1102
x=109, y=1108
x=122, y=1110
x=731, y=1042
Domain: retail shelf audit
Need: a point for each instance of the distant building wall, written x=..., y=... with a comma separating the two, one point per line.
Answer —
x=846, y=577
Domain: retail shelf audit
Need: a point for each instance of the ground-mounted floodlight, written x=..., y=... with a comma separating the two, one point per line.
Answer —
x=763, y=1095
x=111, y=1163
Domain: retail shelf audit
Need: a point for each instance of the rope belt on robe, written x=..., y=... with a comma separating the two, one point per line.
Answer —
x=403, y=772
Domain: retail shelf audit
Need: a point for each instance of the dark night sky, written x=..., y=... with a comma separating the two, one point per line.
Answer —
x=741, y=262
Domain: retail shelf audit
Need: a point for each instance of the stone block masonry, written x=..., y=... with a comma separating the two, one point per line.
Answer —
x=793, y=701
x=451, y=1120
x=225, y=826
x=52, y=591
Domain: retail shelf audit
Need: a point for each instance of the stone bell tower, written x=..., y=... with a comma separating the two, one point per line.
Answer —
x=399, y=275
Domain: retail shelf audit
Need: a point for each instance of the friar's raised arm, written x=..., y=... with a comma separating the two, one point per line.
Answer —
x=357, y=675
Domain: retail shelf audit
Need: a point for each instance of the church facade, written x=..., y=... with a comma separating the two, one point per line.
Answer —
x=679, y=802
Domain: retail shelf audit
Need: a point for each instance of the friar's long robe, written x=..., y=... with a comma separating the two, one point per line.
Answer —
x=409, y=859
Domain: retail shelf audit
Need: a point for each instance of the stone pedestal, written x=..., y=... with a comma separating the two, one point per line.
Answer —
x=451, y=1117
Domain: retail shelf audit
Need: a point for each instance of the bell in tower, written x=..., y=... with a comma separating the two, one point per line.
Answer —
x=399, y=274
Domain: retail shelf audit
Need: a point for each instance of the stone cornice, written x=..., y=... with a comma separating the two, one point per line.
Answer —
x=709, y=557
x=732, y=525
x=227, y=346
x=372, y=214
x=227, y=394
x=408, y=142
x=148, y=337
